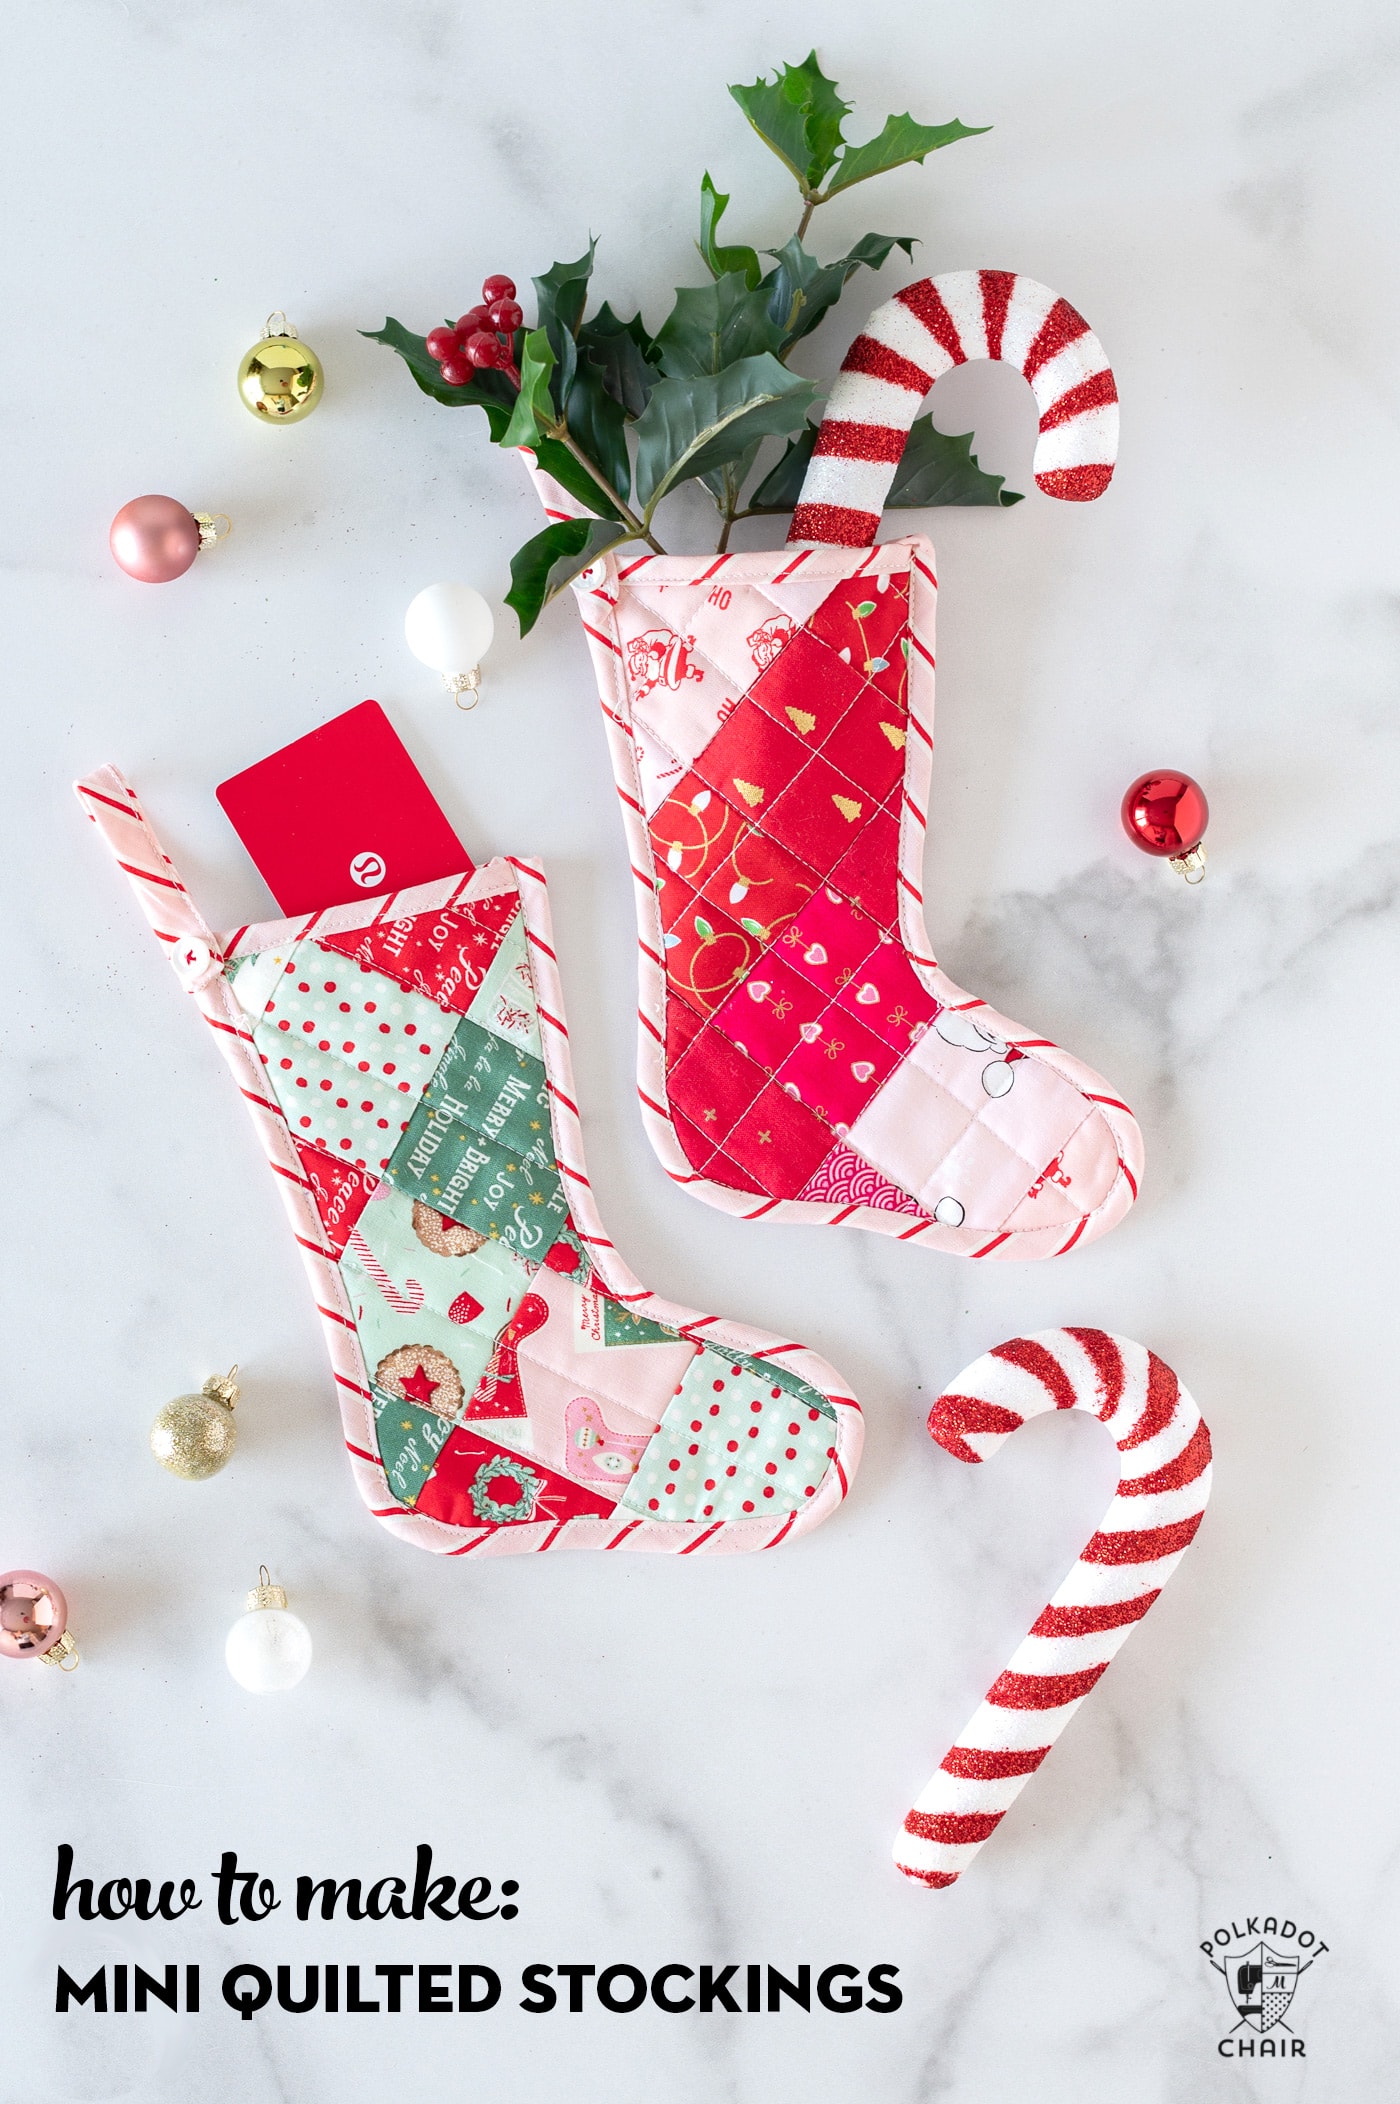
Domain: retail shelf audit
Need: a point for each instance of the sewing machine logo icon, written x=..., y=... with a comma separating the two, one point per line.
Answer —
x=1261, y=1983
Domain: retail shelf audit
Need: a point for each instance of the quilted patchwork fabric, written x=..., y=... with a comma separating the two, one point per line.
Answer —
x=771, y=728
x=505, y=1382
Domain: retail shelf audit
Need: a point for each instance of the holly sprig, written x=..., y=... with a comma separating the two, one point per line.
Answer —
x=622, y=417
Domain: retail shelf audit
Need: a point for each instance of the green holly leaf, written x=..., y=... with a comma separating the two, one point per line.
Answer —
x=691, y=426
x=712, y=326
x=901, y=140
x=825, y=109
x=801, y=290
x=488, y=390
x=719, y=260
x=938, y=469
x=553, y=559
x=623, y=353
x=597, y=424
x=562, y=293
x=534, y=405
x=781, y=486
x=798, y=115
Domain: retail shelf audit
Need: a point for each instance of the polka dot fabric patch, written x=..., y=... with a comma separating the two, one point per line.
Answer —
x=348, y=1054
x=734, y=1443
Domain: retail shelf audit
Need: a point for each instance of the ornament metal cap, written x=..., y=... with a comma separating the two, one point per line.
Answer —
x=222, y=1388
x=265, y=1593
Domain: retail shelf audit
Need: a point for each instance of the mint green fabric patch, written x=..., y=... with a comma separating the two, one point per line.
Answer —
x=505, y=1002
x=735, y=1443
x=409, y=1443
x=405, y=1293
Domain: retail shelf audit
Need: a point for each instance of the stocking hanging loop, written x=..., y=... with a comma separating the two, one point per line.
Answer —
x=908, y=344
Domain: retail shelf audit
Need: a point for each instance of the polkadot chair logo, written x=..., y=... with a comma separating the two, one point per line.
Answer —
x=367, y=869
x=1261, y=1976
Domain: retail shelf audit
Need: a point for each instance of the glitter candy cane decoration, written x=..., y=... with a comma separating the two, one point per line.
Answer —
x=1162, y=1492
x=910, y=342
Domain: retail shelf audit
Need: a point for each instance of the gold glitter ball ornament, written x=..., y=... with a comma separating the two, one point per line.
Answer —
x=195, y=1434
x=281, y=379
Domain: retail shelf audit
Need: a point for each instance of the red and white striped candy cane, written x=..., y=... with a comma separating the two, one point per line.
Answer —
x=910, y=342
x=1162, y=1492
x=405, y=1302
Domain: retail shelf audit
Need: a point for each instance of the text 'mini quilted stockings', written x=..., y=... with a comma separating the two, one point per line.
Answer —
x=505, y=1382
x=770, y=716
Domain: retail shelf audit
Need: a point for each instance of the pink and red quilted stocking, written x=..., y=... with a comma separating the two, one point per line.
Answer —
x=770, y=716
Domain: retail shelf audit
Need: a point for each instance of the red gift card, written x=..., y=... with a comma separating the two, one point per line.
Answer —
x=341, y=814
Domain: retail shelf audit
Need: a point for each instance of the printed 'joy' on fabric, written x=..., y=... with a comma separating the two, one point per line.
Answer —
x=505, y=1382
x=802, y=1055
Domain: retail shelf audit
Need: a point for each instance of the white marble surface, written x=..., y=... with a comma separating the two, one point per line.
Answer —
x=705, y=1762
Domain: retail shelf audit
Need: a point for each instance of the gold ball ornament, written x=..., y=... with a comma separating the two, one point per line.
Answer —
x=281, y=379
x=195, y=1434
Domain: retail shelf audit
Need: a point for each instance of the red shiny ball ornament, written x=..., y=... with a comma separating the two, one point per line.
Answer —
x=1165, y=813
x=154, y=539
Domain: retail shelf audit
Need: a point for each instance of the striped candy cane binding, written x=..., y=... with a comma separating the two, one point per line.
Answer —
x=199, y=958
x=1162, y=1492
x=910, y=342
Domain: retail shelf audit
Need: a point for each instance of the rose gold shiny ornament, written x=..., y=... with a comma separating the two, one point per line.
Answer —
x=1165, y=813
x=155, y=539
x=34, y=1620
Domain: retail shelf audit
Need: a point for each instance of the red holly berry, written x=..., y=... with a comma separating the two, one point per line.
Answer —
x=471, y=321
x=484, y=349
x=442, y=343
x=498, y=289
x=457, y=371
x=505, y=315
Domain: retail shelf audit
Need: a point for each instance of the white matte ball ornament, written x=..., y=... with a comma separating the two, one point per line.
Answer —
x=268, y=1649
x=449, y=628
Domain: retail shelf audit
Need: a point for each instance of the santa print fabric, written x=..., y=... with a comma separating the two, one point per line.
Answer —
x=505, y=1382
x=802, y=1056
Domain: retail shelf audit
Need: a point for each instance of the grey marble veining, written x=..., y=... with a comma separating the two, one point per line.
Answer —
x=706, y=1762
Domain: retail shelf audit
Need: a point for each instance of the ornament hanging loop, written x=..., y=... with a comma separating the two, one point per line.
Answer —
x=265, y=1593
x=1192, y=866
x=64, y=1654
x=223, y=1387
x=278, y=325
x=460, y=683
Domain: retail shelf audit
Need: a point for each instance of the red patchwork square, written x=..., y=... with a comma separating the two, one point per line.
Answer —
x=830, y=940
x=751, y=759
x=779, y=1142
x=696, y=1146
x=693, y=831
x=865, y=622
x=819, y=815
x=867, y=745
x=886, y=996
x=867, y=873
x=808, y=689
x=707, y=954
x=765, y=1016
x=340, y=1189
x=714, y=1085
x=839, y=1072
x=683, y=1025
x=761, y=883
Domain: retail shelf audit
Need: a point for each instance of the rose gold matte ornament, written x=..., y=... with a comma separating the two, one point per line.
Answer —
x=155, y=539
x=34, y=1620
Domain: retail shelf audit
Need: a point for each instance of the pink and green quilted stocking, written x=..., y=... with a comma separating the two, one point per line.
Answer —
x=770, y=717
x=505, y=1382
